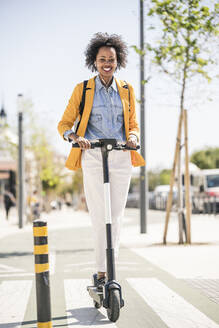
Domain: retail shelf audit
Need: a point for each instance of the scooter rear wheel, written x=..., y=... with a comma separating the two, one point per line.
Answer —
x=113, y=311
x=96, y=305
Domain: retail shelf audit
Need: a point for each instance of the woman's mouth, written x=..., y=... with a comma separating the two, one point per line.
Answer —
x=107, y=69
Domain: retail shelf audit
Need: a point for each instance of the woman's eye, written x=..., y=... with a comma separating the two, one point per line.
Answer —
x=103, y=61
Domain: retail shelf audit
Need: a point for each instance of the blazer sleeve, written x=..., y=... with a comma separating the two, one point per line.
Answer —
x=72, y=110
x=133, y=124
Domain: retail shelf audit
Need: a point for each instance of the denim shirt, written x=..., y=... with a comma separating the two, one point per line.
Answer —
x=106, y=118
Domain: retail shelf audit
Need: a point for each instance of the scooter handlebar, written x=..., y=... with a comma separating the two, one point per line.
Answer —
x=93, y=145
x=98, y=144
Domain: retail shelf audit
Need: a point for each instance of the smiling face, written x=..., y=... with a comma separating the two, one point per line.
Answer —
x=106, y=62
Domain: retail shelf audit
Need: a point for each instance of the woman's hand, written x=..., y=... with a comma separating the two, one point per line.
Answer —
x=83, y=142
x=132, y=141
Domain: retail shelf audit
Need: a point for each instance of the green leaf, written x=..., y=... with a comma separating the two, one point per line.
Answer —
x=201, y=61
x=145, y=81
x=184, y=24
x=138, y=51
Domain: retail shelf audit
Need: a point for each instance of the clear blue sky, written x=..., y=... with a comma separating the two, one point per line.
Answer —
x=42, y=56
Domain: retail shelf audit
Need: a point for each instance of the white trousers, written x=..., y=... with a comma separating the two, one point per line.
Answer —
x=120, y=168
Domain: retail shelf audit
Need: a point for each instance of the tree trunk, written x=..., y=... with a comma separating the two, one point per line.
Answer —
x=180, y=196
x=187, y=182
x=172, y=178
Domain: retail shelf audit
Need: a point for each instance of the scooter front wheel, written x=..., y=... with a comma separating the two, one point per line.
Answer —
x=113, y=311
x=97, y=305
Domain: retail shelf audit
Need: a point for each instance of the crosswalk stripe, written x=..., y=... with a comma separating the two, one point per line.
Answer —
x=14, y=297
x=8, y=269
x=80, y=308
x=190, y=265
x=174, y=310
x=52, y=262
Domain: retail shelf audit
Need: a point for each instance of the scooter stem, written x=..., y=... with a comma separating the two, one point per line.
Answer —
x=109, y=250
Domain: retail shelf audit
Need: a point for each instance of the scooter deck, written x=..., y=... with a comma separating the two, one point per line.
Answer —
x=95, y=294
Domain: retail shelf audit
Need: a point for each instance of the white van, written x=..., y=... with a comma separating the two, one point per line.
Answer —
x=205, y=187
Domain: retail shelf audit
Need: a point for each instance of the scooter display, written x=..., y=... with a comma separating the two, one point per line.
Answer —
x=111, y=295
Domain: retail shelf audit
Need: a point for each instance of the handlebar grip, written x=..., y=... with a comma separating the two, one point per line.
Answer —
x=75, y=145
x=93, y=145
x=131, y=148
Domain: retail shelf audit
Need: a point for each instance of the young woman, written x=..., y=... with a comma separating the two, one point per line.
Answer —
x=109, y=113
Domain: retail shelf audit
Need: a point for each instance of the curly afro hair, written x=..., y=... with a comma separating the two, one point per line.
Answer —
x=105, y=40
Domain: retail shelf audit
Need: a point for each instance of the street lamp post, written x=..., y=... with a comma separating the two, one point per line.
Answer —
x=143, y=177
x=20, y=162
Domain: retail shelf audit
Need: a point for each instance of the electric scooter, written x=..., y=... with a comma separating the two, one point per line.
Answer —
x=111, y=296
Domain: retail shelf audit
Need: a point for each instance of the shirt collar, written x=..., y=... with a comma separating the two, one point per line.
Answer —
x=99, y=84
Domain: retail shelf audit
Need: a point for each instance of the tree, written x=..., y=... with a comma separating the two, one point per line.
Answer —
x=49, y=169
x=165, y=177
x=153, y=179
x=206, y=159
x=157, y=177
x=182, y=53
x=43, y=166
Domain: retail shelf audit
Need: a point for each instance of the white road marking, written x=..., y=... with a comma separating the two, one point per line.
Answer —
x=184, y=262
x=173, y=309
x=80, y=308
x=8, y=269
x=14, y=297
x=79, y=264
x=52, y=262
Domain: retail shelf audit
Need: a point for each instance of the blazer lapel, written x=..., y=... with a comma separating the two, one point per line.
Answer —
x=123, y=92
x=87, y=106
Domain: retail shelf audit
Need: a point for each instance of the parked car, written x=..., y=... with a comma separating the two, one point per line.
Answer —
x=133, y=200
x=159, y=197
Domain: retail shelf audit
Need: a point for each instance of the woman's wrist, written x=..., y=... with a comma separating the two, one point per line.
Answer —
x=73, y=136
x=133, y=137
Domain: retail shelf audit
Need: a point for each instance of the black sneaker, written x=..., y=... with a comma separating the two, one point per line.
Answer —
x=100, y=283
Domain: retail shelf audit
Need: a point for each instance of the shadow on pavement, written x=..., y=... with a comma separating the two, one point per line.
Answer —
x=5, y=255
x=177, y=244
x=64, y=251
x=85, y=316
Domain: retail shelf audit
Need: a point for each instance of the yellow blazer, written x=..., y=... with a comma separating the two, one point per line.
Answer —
x=72, y=112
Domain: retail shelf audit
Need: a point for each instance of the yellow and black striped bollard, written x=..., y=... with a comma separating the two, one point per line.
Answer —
x=41, y=256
